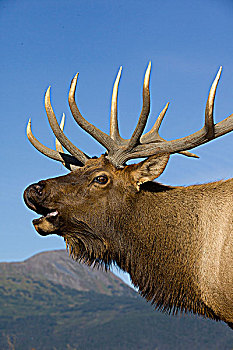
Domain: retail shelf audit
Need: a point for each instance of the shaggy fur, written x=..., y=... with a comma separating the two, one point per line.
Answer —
x=175, y=242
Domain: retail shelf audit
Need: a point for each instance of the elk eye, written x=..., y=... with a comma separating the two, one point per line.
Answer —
x=102, y=179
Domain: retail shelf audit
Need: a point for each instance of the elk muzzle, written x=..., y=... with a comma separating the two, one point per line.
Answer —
x=35, y=197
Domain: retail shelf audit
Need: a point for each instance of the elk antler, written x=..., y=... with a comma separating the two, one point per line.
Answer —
x=120, y=150
x=152, y=136
x=70, y=162
x=152, y=144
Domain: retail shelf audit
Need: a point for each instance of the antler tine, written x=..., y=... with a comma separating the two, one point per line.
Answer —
x=59, y=133
x=99, y=135
x=160, y=119
x=40, y=147
x=58, y=144
x=209, y=119
x=68, y=161
x=114, y=130
x=188, y=154
x=144, y=112
x=153, y=134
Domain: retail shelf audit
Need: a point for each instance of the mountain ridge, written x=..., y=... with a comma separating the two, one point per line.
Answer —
x=56, y=266
x=50, y=301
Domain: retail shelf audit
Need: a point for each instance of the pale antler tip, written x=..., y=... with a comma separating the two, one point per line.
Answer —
x=29, y=127
x=62, y=121
x=73, y=86
x=194, y=155
x=114, y=132
x=57, y=142
x=217, y=77
x=76, y=76
x=147, y=75
x=119, y=72
x=118, y=75
x=219, y=72
x=149, y=66
x=47, y=94
x=213, y=88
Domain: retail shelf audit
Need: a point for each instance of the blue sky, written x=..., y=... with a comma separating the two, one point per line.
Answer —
x=46, y=42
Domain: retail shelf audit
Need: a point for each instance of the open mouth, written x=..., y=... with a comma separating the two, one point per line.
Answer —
x=50, y=216
x=48, y=223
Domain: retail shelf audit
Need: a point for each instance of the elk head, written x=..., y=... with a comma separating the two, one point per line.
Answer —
x=89, y=205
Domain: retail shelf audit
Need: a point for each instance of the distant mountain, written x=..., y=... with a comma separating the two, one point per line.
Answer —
x=50, y=302
x=58, y=267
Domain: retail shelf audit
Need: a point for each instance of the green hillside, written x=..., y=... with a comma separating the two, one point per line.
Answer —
x=51, y=302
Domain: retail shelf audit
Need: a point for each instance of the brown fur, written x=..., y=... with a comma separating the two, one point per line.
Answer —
x=175, y=242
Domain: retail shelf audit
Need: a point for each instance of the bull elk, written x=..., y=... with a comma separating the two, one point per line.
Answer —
x=175, y=242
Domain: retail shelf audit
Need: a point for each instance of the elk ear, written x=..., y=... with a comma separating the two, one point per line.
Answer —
x=149, y=169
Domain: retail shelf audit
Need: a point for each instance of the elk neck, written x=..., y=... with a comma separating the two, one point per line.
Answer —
x=161, y=244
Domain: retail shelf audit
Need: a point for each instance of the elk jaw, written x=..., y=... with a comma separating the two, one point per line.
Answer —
x=47, y=224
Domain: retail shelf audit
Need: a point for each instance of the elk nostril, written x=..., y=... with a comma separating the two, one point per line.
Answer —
x=39, y=188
